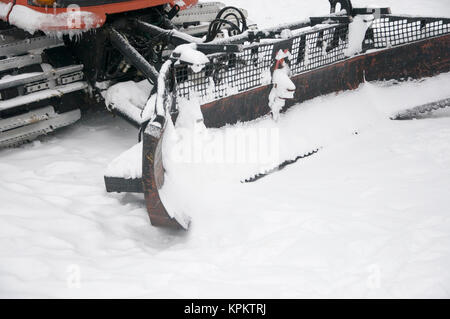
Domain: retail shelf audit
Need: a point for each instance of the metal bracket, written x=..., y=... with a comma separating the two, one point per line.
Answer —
x=345, y=5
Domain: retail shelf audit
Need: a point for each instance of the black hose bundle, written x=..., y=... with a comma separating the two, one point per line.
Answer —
x=222, y=19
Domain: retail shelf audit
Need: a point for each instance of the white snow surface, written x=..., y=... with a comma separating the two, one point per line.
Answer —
x=267, y=13
x=368, y=216
x=127, y=165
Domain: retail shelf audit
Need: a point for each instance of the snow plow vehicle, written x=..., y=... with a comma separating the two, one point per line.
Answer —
x=150, y=61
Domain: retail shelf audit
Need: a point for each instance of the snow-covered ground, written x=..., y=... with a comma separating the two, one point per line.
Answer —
x=368, y=216
x=269, y=12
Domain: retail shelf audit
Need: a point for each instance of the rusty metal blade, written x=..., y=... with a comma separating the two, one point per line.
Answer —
x=153, y=179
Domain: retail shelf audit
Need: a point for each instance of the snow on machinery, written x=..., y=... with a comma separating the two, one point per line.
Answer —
x=304, y=60
x=206, y=54
x=56, y=55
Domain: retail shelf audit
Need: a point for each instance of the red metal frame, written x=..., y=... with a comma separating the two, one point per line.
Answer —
x=416, y=60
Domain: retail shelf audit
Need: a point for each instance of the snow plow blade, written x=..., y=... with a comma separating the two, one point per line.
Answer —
x=319, y=63
x=123, y=185
x=153, y=179
x=262, y=73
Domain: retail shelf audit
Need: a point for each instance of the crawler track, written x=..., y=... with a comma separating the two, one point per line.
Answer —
x=422, y=110
x=39, y=86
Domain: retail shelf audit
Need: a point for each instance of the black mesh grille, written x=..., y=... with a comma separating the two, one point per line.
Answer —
x=316, y=49
x=395, y=30
x=226, y=74
x=229, y=74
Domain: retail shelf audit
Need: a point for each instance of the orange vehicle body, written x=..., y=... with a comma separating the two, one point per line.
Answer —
x=54, y=18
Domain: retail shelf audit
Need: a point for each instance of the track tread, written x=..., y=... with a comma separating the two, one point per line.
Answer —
x=280, y=167
x=421, y=110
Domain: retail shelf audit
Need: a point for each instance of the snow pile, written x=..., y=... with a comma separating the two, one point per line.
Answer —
x=42, y=95
x=160, y=101
x=4, y=10
x=129, y=98
x=128, y=165
x=188, y=54
x=32, y=21
x=235, y=153
x=181, y=141
x=283, y=88
x=179, y=3
x=10, y=78
x=175, y=149
x=190, y=116
x=175, y=207
x=182, y=4
x=357, y=32
x=149, y=110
